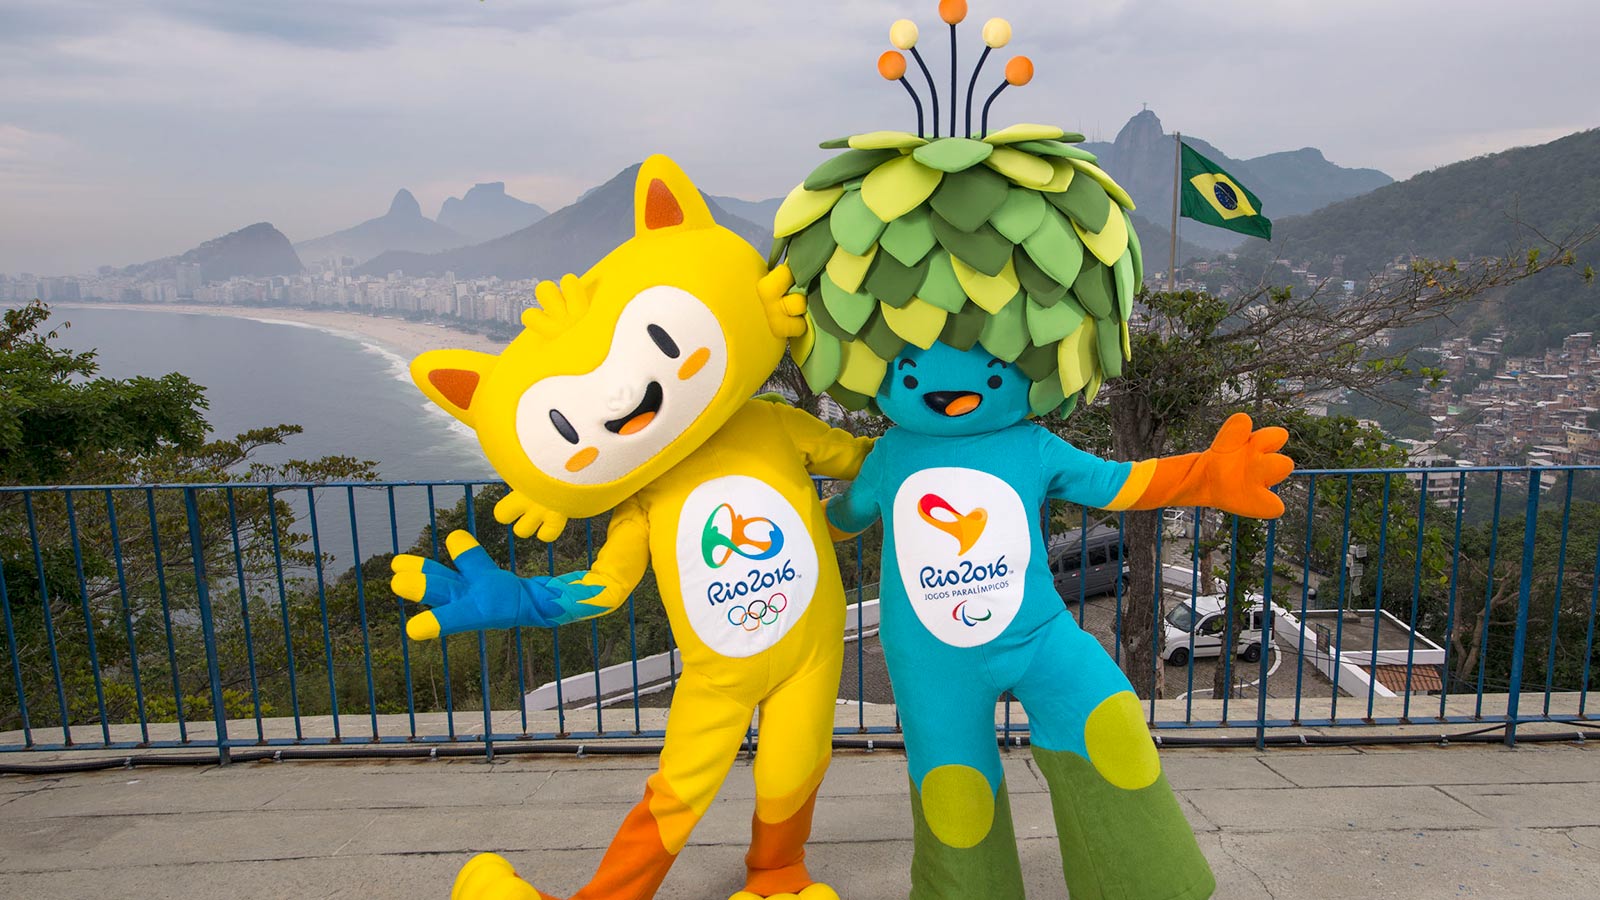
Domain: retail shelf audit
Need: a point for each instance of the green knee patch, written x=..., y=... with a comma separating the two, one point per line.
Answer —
x=958, y=804
x=989, y=867
x=1119, y=743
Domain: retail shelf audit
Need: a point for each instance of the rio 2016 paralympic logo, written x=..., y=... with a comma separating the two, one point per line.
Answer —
x=966, y=528
x=727, y=534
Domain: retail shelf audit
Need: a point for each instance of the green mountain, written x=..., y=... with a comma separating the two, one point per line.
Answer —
x=1488, y=206
x=255, y=251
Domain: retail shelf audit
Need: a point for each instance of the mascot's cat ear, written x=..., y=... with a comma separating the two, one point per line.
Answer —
x=664, y=198
x=451, y=378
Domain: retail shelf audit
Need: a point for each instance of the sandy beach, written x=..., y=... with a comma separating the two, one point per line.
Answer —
x=401, y=336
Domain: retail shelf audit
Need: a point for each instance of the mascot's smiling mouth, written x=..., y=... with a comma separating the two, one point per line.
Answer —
x=641, y=415
x=949, y=403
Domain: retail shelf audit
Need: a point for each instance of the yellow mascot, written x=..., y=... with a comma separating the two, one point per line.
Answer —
x=630, y=390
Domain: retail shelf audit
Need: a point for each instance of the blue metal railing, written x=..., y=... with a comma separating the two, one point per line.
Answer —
x=226, y=616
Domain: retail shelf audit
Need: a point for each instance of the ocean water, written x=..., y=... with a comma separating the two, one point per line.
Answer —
x=351, y=396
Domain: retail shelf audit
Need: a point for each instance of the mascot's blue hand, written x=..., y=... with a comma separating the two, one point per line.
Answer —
x=480, y=595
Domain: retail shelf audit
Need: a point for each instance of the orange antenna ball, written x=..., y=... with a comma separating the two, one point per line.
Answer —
x=1019, y=70
x=952, y=11
x=903, y=34
x=996, y=33
x=892, y=65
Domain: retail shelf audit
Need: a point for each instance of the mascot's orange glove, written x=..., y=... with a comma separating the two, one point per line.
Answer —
x=1235, y=474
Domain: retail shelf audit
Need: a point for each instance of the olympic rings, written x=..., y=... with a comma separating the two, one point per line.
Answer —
x=758, y=613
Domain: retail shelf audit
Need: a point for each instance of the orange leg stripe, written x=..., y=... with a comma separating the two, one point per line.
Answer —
x=776, y=861
x=674, y=819
x=635, y=863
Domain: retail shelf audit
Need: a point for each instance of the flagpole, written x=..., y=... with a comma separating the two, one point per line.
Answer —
x=1177, y=177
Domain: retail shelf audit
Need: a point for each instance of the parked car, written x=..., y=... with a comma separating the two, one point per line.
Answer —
x=1088, y=568
x=1196, y=629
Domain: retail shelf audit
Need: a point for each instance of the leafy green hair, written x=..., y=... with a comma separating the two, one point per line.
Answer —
x=1016, y=242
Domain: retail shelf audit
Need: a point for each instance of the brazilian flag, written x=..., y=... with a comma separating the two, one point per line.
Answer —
x=1212, y=196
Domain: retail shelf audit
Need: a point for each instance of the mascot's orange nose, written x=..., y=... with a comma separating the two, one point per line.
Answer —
x=962, y=405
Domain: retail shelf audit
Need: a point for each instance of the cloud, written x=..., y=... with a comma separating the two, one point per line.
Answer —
x=32, y=21
x=339, y=24
x=35, y=163
x=189, y=118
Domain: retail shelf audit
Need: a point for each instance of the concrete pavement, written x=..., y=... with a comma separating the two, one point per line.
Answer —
x=1325, y=823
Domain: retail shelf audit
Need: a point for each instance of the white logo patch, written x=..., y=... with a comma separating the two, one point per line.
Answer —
x=961, y=537
x=747, y=565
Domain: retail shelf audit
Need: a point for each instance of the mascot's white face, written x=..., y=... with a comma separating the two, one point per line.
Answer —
x=624, y=371
x=665, y=366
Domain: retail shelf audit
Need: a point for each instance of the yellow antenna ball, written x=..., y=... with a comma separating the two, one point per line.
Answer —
x=996, y=33
x=903, y=34
x=952, y=11
x=1019, y=71
x=892, y=65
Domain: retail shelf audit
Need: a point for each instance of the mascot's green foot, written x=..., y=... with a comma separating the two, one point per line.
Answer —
x=1118, y=843
x=489, y=877
x=973, y=853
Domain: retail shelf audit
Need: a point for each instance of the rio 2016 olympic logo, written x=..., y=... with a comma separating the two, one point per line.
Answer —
x=758, y=612
x=727, y=534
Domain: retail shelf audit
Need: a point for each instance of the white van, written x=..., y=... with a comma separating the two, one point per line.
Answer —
x=1196, y=630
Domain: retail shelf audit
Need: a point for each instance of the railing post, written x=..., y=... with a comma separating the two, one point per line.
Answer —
x=483, y=649
x=16, y=660
x=219, y=709
x=1266, y=635
x=1524, y=590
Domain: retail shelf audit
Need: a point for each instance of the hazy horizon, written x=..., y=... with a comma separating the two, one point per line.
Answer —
x=135, y=130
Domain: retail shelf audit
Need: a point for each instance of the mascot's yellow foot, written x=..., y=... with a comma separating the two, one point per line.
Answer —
x=818, y=891
x=489, y=877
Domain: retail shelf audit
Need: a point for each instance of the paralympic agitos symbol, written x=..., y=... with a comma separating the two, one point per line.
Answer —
x=960, y=615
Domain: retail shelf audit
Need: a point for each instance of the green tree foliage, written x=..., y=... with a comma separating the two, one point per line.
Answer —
x=57, y=417
x=103, y=581
x=1559, y=630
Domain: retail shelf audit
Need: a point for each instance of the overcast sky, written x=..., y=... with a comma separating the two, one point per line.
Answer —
x=134, y=129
